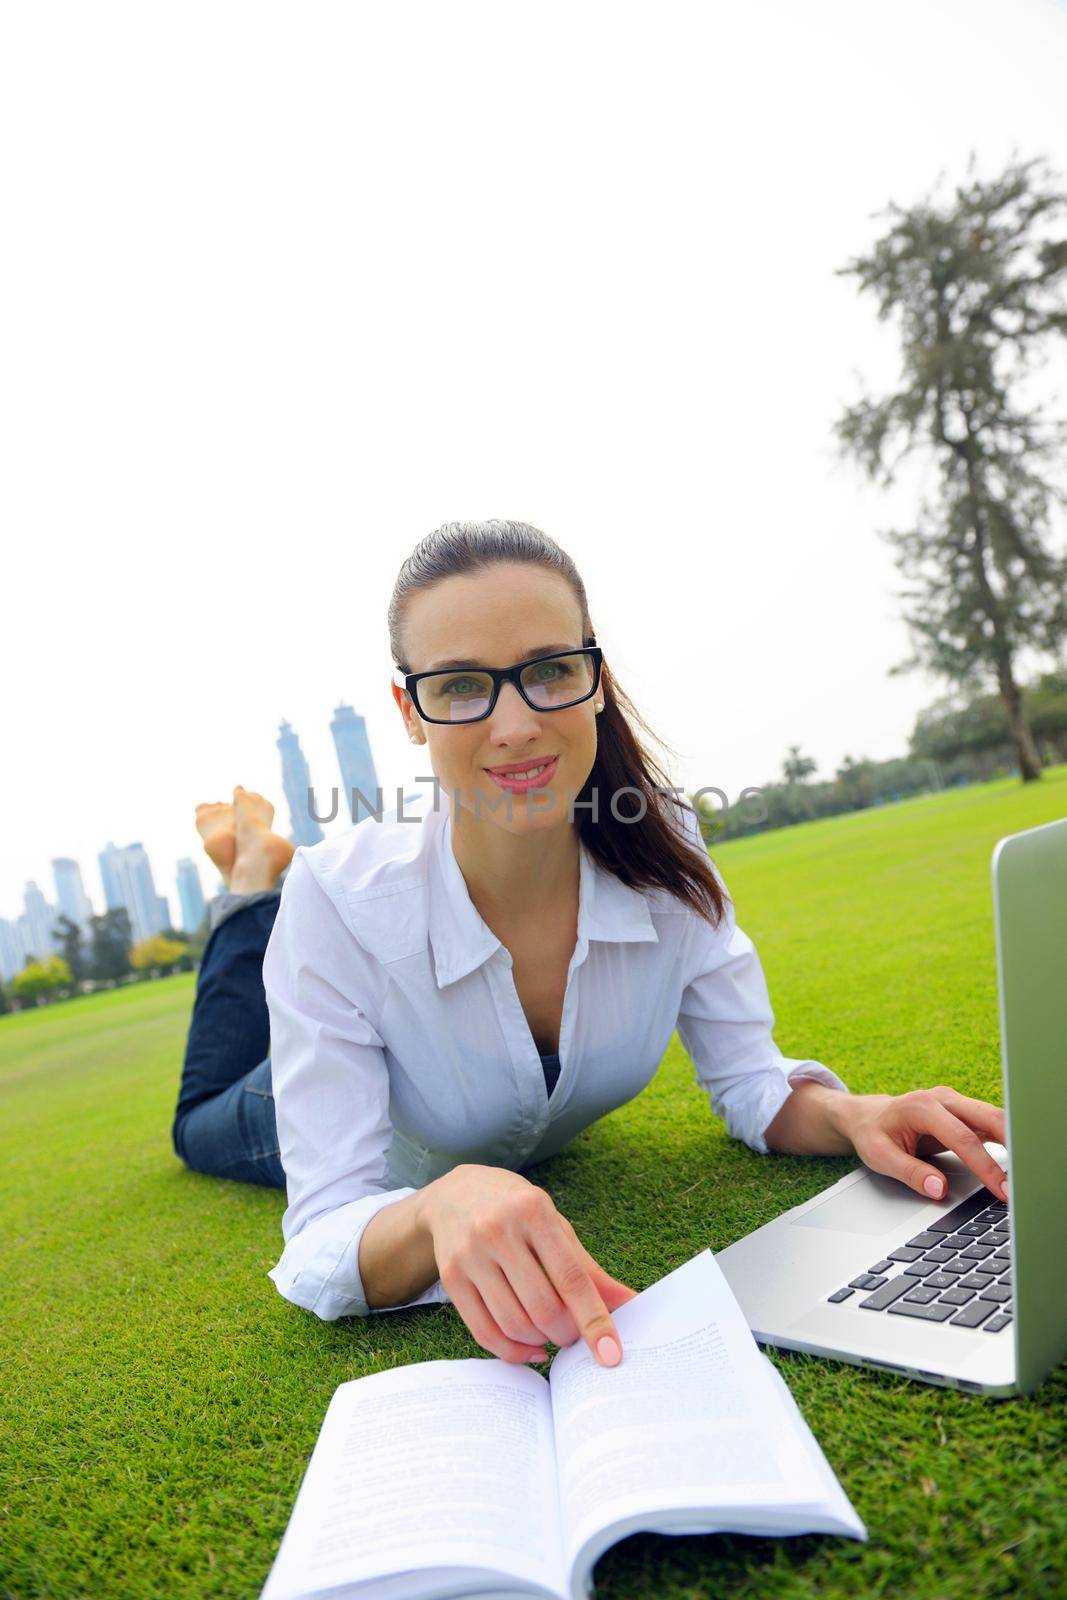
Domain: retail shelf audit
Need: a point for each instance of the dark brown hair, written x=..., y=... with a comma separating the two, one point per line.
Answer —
x=651, y=852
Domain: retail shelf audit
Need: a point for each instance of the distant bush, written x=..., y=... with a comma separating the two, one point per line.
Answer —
x=156, y=954
x=41, y=980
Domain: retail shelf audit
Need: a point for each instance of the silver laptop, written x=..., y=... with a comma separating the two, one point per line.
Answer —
x=967, y=1291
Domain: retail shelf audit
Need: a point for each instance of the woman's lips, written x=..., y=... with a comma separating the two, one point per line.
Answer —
x=505, y=780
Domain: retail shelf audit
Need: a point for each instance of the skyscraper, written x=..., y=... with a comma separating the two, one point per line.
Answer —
x=12, y=957
x=296, y=781
x=70, y=892
x=37, y=924
x=110, y=859
x=126, y=874
x=356, y=762
x=190, y=895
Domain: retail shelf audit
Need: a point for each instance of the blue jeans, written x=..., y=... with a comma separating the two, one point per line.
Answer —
x=224, y=1120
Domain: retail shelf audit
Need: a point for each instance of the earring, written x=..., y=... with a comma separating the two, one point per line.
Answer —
x=414, y=738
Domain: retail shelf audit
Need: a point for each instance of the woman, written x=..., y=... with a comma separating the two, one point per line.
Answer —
x=453, y=994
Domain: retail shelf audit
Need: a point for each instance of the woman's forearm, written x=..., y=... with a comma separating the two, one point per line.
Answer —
x=816, y=1120
x=396, y=1256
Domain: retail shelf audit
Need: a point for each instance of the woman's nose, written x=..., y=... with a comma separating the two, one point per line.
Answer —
x=512, y=718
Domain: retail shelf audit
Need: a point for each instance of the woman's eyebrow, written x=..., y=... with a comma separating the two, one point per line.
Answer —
x=530, y=655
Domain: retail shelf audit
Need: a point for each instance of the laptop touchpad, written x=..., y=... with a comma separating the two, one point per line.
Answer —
x=874, y=1204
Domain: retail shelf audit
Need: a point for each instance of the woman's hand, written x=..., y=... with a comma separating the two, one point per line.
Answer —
x=890, y=1132
x=515, y=1269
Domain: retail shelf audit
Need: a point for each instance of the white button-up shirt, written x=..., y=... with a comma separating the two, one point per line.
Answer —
x=400, y=1048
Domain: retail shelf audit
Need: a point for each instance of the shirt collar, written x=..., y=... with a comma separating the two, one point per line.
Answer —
x=608, y=909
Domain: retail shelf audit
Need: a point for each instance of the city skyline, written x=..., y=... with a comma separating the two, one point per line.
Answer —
x=126, y=876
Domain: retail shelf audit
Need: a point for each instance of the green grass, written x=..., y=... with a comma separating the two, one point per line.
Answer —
x=161, y=1399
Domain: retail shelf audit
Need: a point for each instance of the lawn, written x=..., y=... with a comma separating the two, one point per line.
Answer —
x=161, y=1399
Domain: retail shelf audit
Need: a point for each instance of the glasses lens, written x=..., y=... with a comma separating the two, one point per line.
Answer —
x=455, y=696
x=465, y=695
x=559, y=681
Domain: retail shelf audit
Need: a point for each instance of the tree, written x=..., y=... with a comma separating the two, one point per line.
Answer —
x=198, y=940
x=945, y=730
x=975, y=284
x=5, y=1003
x=156, y=952
x=186, y=960
x=854, y=784
x=72, y=947
x=796, y=768
x=41, y=979
x=949, y=729
x=111, y=936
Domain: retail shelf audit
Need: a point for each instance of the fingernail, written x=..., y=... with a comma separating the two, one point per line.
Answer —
x=934, y=1187
x=608, y=1351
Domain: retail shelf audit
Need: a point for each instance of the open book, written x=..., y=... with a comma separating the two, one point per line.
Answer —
x=482, y=1477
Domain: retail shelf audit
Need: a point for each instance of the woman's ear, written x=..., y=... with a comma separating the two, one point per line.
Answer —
x=403, y=700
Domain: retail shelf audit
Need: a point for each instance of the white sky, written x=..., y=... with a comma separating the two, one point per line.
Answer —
x=287, y=287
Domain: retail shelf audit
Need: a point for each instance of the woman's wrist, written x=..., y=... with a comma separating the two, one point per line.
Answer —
x=424, y=1201
x=845, y=1112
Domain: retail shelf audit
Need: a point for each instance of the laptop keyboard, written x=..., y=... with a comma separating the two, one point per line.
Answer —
x=958, y=1270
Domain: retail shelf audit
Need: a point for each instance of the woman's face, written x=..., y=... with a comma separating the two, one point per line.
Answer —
x=496, y=618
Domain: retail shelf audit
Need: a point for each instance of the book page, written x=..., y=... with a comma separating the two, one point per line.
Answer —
x=688, y=1420
x=438, y=1464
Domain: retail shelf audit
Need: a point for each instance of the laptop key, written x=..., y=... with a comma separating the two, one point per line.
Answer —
x=939, y=1280
x=922, y=1295
x=866, y=1280
x=972, y=1316
x=925, y=1240
x=940, y=1254
x=957, y=1296
x=959, y=1214
x=842, y=1294
x=957, y=1268
x=934, y=1312
x=974, y=1229
x=880, y=1267
x=890, y=1291
x=959, y=1241
x=976, y=1252
x=904, y=1254
x=994, y=1324
x=978, y=1280
x=997, y=1292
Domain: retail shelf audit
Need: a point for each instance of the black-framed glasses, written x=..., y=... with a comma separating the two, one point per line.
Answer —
x=467, y=694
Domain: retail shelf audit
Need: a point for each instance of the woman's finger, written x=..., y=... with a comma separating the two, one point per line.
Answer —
x=956, y=1135
x=615, y=1292
x=468, y=1301
x=879, y=1150
x=981, y=1114
x=913, y=1115
x=569, y=1274
x=511, y=1291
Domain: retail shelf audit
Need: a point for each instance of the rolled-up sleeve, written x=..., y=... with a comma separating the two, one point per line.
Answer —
x=330, y=1083
x=726, y=1022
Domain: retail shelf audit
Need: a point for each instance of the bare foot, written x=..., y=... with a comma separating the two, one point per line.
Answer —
x=216, y=824
x=261, y=854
